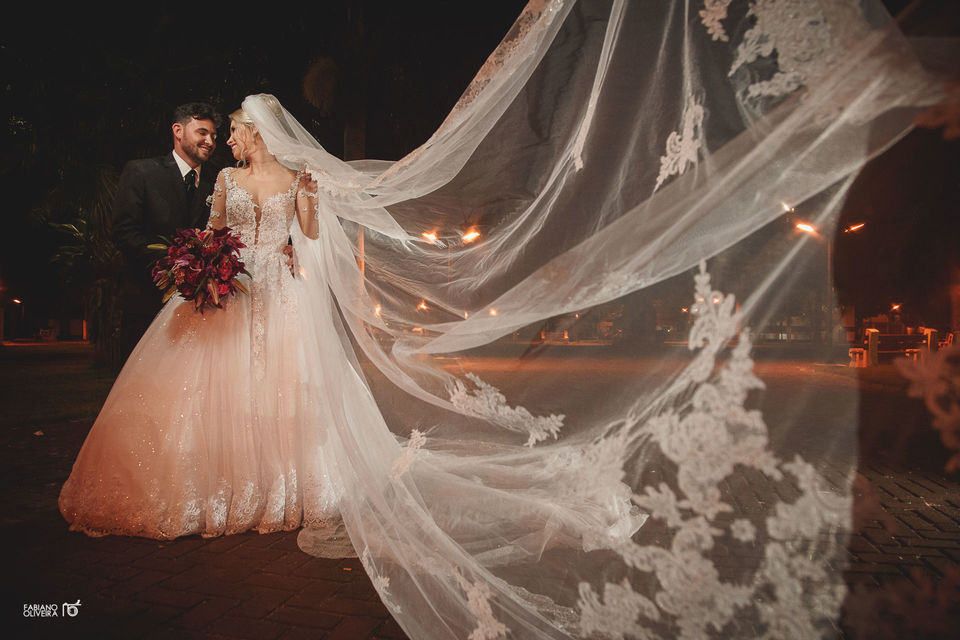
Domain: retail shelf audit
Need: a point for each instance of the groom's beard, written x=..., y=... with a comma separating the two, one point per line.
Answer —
x=198, y=153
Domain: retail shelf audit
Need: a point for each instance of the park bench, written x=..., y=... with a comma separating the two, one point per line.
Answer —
x=877, y=346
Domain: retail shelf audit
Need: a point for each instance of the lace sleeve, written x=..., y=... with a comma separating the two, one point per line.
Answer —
x=218, y=210
x=307, y=205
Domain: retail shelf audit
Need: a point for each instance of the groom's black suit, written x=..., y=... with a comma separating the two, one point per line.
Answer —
x=151, y=202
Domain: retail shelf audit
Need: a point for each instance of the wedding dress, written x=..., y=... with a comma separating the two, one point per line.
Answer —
x=216, y=424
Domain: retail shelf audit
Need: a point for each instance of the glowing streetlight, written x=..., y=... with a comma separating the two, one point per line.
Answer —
x=423, y=306
x=430, y=235
x=17, y=301
x=493, y=312
x=855, y=227
x=895, y=306
x=470, y=236
x=807, y=228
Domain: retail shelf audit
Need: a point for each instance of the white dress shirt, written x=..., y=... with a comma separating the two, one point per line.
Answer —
x=184, y=167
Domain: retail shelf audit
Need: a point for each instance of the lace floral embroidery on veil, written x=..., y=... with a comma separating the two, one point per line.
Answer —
x=802, y=37
x=478, y=602
x=487, y=401
x=682, y=146
x=708, y=435
x=402, y=464
x=712, y=13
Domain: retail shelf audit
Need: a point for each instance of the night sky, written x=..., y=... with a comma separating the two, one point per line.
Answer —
x=86, y=90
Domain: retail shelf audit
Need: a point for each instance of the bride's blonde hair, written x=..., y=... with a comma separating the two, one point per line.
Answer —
x=246, y=132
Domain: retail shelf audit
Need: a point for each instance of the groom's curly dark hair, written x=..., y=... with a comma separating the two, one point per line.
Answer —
x=199, y=110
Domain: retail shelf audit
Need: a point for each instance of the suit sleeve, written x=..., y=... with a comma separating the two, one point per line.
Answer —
x=128, y=230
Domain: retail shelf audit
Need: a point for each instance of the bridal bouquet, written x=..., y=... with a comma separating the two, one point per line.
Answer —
x=201, y=265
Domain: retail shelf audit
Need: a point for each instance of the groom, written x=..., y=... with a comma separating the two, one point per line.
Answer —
x=155, y=197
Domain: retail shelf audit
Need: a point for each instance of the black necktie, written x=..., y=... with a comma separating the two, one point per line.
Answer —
x=190, y=183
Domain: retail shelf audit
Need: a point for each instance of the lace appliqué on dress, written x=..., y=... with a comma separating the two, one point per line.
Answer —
x=265, y=235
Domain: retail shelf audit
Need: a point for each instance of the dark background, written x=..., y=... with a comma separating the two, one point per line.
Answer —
x=86, y=90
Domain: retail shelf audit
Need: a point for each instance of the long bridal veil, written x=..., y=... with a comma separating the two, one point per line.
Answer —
x=554, y=327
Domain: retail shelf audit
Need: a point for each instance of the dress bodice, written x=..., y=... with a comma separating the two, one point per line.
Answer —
x=264, y=229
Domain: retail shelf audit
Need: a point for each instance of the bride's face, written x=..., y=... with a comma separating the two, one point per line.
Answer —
x=238, y=141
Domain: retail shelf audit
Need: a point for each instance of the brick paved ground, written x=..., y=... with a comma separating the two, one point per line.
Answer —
x=253, y=586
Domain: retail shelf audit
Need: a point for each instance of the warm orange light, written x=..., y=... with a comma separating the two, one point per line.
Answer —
x=470, y=236
x=376, y=310
x=808, y=228
x=855, y=227
x=683, y=309
x=303, y=273
x=430, y=235
x=786, y=208
x=895, y=307
x=493, y=312
x=465, y=315
x=423, y=306
x=17, y=301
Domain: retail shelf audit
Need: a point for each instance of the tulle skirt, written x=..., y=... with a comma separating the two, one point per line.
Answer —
x=215, y=425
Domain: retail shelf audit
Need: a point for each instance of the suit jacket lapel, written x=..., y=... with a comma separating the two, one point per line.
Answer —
x=178, y=197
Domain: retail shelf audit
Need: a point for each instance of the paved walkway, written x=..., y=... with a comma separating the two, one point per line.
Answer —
x=253, y=586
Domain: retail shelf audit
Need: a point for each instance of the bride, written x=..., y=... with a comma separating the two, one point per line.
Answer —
x=216, y=425
x=498, y=299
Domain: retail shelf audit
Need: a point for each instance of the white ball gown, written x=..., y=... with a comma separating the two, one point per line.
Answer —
x=215, y=425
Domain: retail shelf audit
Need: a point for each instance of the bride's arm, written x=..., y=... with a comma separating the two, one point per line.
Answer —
x=307, y=206
x=218, y=210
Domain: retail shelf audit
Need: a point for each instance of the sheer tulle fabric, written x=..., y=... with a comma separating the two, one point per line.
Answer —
x=616, y=158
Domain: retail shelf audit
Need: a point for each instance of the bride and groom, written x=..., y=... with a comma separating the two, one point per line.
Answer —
x=215, y=423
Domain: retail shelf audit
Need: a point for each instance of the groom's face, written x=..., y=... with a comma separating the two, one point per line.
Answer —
x=196, y=139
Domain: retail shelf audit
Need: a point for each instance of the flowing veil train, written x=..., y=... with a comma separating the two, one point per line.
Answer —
x=550, y=418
